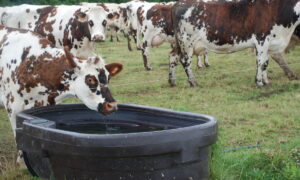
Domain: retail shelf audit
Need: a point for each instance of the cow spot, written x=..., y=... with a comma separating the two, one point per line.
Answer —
x=91, y=82
x=140, y=17
x=25, y=53
x=103, y=6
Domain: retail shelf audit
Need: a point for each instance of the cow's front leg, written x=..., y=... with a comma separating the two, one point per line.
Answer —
x=262, y=65
x=284, y=66
x=20, y=160
x=117, y=36
x=173, y=60
x=145, y=54
x=186, y=61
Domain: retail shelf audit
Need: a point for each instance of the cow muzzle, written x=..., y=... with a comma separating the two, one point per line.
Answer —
x=98, y=38
x=107, y=107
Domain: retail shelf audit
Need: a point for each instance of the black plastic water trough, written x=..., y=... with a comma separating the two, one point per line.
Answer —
x=136, y=142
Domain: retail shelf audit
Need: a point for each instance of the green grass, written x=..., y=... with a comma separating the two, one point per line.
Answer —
x=247, y=115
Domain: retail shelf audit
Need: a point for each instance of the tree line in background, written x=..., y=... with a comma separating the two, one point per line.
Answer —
x=53, y=2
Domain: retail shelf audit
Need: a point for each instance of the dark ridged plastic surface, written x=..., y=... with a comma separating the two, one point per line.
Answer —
x=179, y=152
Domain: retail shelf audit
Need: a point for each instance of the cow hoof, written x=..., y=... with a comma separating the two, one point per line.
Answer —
x=172, y=83
x=193, y=83
x=148, y=68
x=139, y=49
x=207, y=65
x=292, y=76
x=20, y=162
x=260, y=85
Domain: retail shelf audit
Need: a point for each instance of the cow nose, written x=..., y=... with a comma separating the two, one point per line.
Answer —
x=109, y=107
x=98, y=38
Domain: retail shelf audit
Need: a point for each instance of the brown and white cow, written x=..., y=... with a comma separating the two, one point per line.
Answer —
x=34, y=73
x=117, y=17
x=77, y=27
x=225, y=27
x=131, y=9
x=155, y=26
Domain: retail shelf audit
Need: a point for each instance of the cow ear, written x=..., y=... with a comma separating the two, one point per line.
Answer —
x=70, y=57
x=81, y=16
x=114, y=68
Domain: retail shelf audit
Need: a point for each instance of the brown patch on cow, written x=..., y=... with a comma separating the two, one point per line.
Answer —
x=97, y=59
x=26, y=102
x=36, y=71
x=45, y=42
x=160, y=15
x=43, y=27
x=28, y=10
x=103, y=6
x=140, y=17
x=51, y=98
x=29, y=25
x=233, y=22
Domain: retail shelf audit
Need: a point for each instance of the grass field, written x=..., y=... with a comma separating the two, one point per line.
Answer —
x=268, y=118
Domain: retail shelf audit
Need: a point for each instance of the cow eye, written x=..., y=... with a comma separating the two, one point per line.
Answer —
x=91, y=23
x=104, y=23
x=92, y=82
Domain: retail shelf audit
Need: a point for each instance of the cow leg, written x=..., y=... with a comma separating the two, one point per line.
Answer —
x=117, y=36
x=186, y=61
x=173, y=60
x=12, y=118
x=284, y=66
x=145, y=54
x=128, y=42
x=206, y=63
x=262, y=63
x=199, y=64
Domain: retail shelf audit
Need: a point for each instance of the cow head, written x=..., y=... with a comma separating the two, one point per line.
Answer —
x=118, y=18
x=90, y=82
x=95, y=17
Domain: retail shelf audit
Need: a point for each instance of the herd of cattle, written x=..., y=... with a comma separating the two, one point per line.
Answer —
x=47, y=53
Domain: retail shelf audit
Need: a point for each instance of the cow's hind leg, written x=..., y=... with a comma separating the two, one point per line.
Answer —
x=173, y=60
x=205, y=56
x=199, y=64
x=186, y=61
x=284, y=66
x=262, y=63
x=145, y=54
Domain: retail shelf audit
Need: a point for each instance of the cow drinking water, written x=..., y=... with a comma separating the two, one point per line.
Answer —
x=34, y=73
